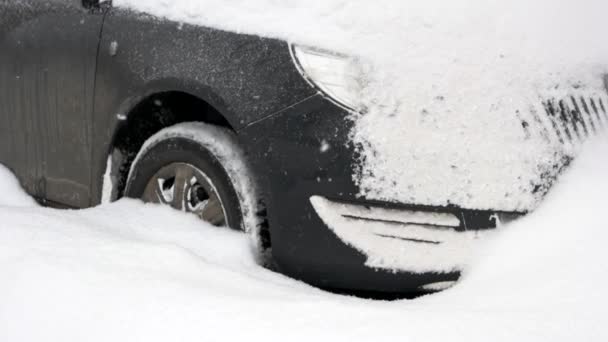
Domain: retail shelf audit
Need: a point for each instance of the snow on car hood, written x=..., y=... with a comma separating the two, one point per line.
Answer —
x=466, y=99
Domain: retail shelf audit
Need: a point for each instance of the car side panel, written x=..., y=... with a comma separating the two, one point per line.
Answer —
x=47, y=71
x=245, y=78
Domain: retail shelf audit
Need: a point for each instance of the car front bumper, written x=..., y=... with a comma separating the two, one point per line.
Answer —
x=324, y=233
x=417, y=240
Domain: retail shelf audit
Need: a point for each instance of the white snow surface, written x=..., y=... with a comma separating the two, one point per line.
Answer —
x=108, y=182
x=133, y=272
x=10, y=191
x=447, y=85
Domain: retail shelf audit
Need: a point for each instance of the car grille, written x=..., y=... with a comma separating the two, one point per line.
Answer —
x=564, y=123
x=569, y=121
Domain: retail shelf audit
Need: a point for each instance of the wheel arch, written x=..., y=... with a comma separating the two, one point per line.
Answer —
x=190, y=87
x=160, y=104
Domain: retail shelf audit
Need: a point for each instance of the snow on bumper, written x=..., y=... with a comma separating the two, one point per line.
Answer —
x=401, y=240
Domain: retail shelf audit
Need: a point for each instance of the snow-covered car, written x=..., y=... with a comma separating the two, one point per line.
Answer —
x=99, y=103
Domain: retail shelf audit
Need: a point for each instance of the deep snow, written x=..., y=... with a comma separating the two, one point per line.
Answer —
x=133, y=272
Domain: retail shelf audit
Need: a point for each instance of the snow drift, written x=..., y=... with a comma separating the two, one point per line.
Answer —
x=455, y=91
x=134, y=272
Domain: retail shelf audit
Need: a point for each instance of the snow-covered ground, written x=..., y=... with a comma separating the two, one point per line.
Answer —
x=133, y=272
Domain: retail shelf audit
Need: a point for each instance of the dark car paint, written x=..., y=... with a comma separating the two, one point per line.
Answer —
x=47, y=76
x=65, y=85
x=246, y=78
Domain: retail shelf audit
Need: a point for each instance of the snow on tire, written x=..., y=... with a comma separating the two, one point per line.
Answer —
x=213, y=149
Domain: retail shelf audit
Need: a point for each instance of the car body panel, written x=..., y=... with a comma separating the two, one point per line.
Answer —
x=246, y=78
x=47, y=75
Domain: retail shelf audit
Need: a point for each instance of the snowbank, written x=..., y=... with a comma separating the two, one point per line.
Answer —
x=11, y=193
x=448, y=86
x=133, y=272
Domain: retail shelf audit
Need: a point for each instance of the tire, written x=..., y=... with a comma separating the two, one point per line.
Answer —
x=196, y=153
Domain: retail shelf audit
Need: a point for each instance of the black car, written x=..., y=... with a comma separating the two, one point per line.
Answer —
x=99, y=103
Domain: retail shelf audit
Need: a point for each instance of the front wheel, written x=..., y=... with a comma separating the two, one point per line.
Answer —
x=200, y=169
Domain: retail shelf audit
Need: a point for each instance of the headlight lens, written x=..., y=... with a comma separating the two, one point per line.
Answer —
x=338, y=76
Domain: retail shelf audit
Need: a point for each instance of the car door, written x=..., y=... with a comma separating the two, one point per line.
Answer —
x=48, y=52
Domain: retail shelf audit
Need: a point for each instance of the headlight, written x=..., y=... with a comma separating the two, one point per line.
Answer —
x=338, y=76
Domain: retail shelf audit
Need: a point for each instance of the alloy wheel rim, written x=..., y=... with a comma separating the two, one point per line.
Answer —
x=186, y=188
